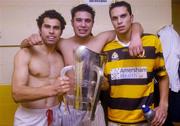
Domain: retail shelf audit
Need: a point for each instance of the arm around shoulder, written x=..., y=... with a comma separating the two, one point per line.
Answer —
x=34, y=39
x=25, y=44
x=106, y=36
x=135, y=47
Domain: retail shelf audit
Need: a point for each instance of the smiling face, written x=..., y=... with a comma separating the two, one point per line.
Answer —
x=121, y=19
x=82, y=24
x=50, y=31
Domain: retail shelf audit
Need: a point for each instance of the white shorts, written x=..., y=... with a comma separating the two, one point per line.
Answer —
x=37, y=117
x=80, y=118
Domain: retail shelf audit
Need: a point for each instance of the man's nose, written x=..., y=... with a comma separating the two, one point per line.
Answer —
x=119, y=20
x=51, y=30
x=83, y=23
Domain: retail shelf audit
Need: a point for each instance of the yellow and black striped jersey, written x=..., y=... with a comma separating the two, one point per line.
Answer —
x=132, y=78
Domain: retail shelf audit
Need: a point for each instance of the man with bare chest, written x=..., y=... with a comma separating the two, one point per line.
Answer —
x=36, y=84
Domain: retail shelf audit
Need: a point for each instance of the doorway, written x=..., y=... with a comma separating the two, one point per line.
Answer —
x=176, y=15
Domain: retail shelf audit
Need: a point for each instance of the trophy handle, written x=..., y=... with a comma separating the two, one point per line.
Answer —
x=62, y=74
x=95, y=98
x=65, y=70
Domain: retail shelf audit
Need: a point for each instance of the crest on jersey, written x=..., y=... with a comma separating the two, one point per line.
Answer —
x=115, y=56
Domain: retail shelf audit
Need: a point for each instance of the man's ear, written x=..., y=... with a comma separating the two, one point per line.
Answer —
x=61, y=33
x=132, y=18
x=72, y=22
x=40, y=32
x=93, y=24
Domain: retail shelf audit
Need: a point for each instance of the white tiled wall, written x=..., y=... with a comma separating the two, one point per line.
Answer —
x=17, y=21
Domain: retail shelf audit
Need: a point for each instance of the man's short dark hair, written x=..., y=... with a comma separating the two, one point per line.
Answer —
x=83, y=7
x=53, y=14
x=120, y=4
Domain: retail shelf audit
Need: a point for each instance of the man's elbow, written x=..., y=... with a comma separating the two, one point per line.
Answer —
x=16, y=96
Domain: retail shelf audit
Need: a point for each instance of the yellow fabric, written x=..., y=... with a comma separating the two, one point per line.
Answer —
x=124, y=114
x=7, y=106
x=141, y=90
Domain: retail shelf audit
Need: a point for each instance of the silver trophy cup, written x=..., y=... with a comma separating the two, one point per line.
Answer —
x=88, y=71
